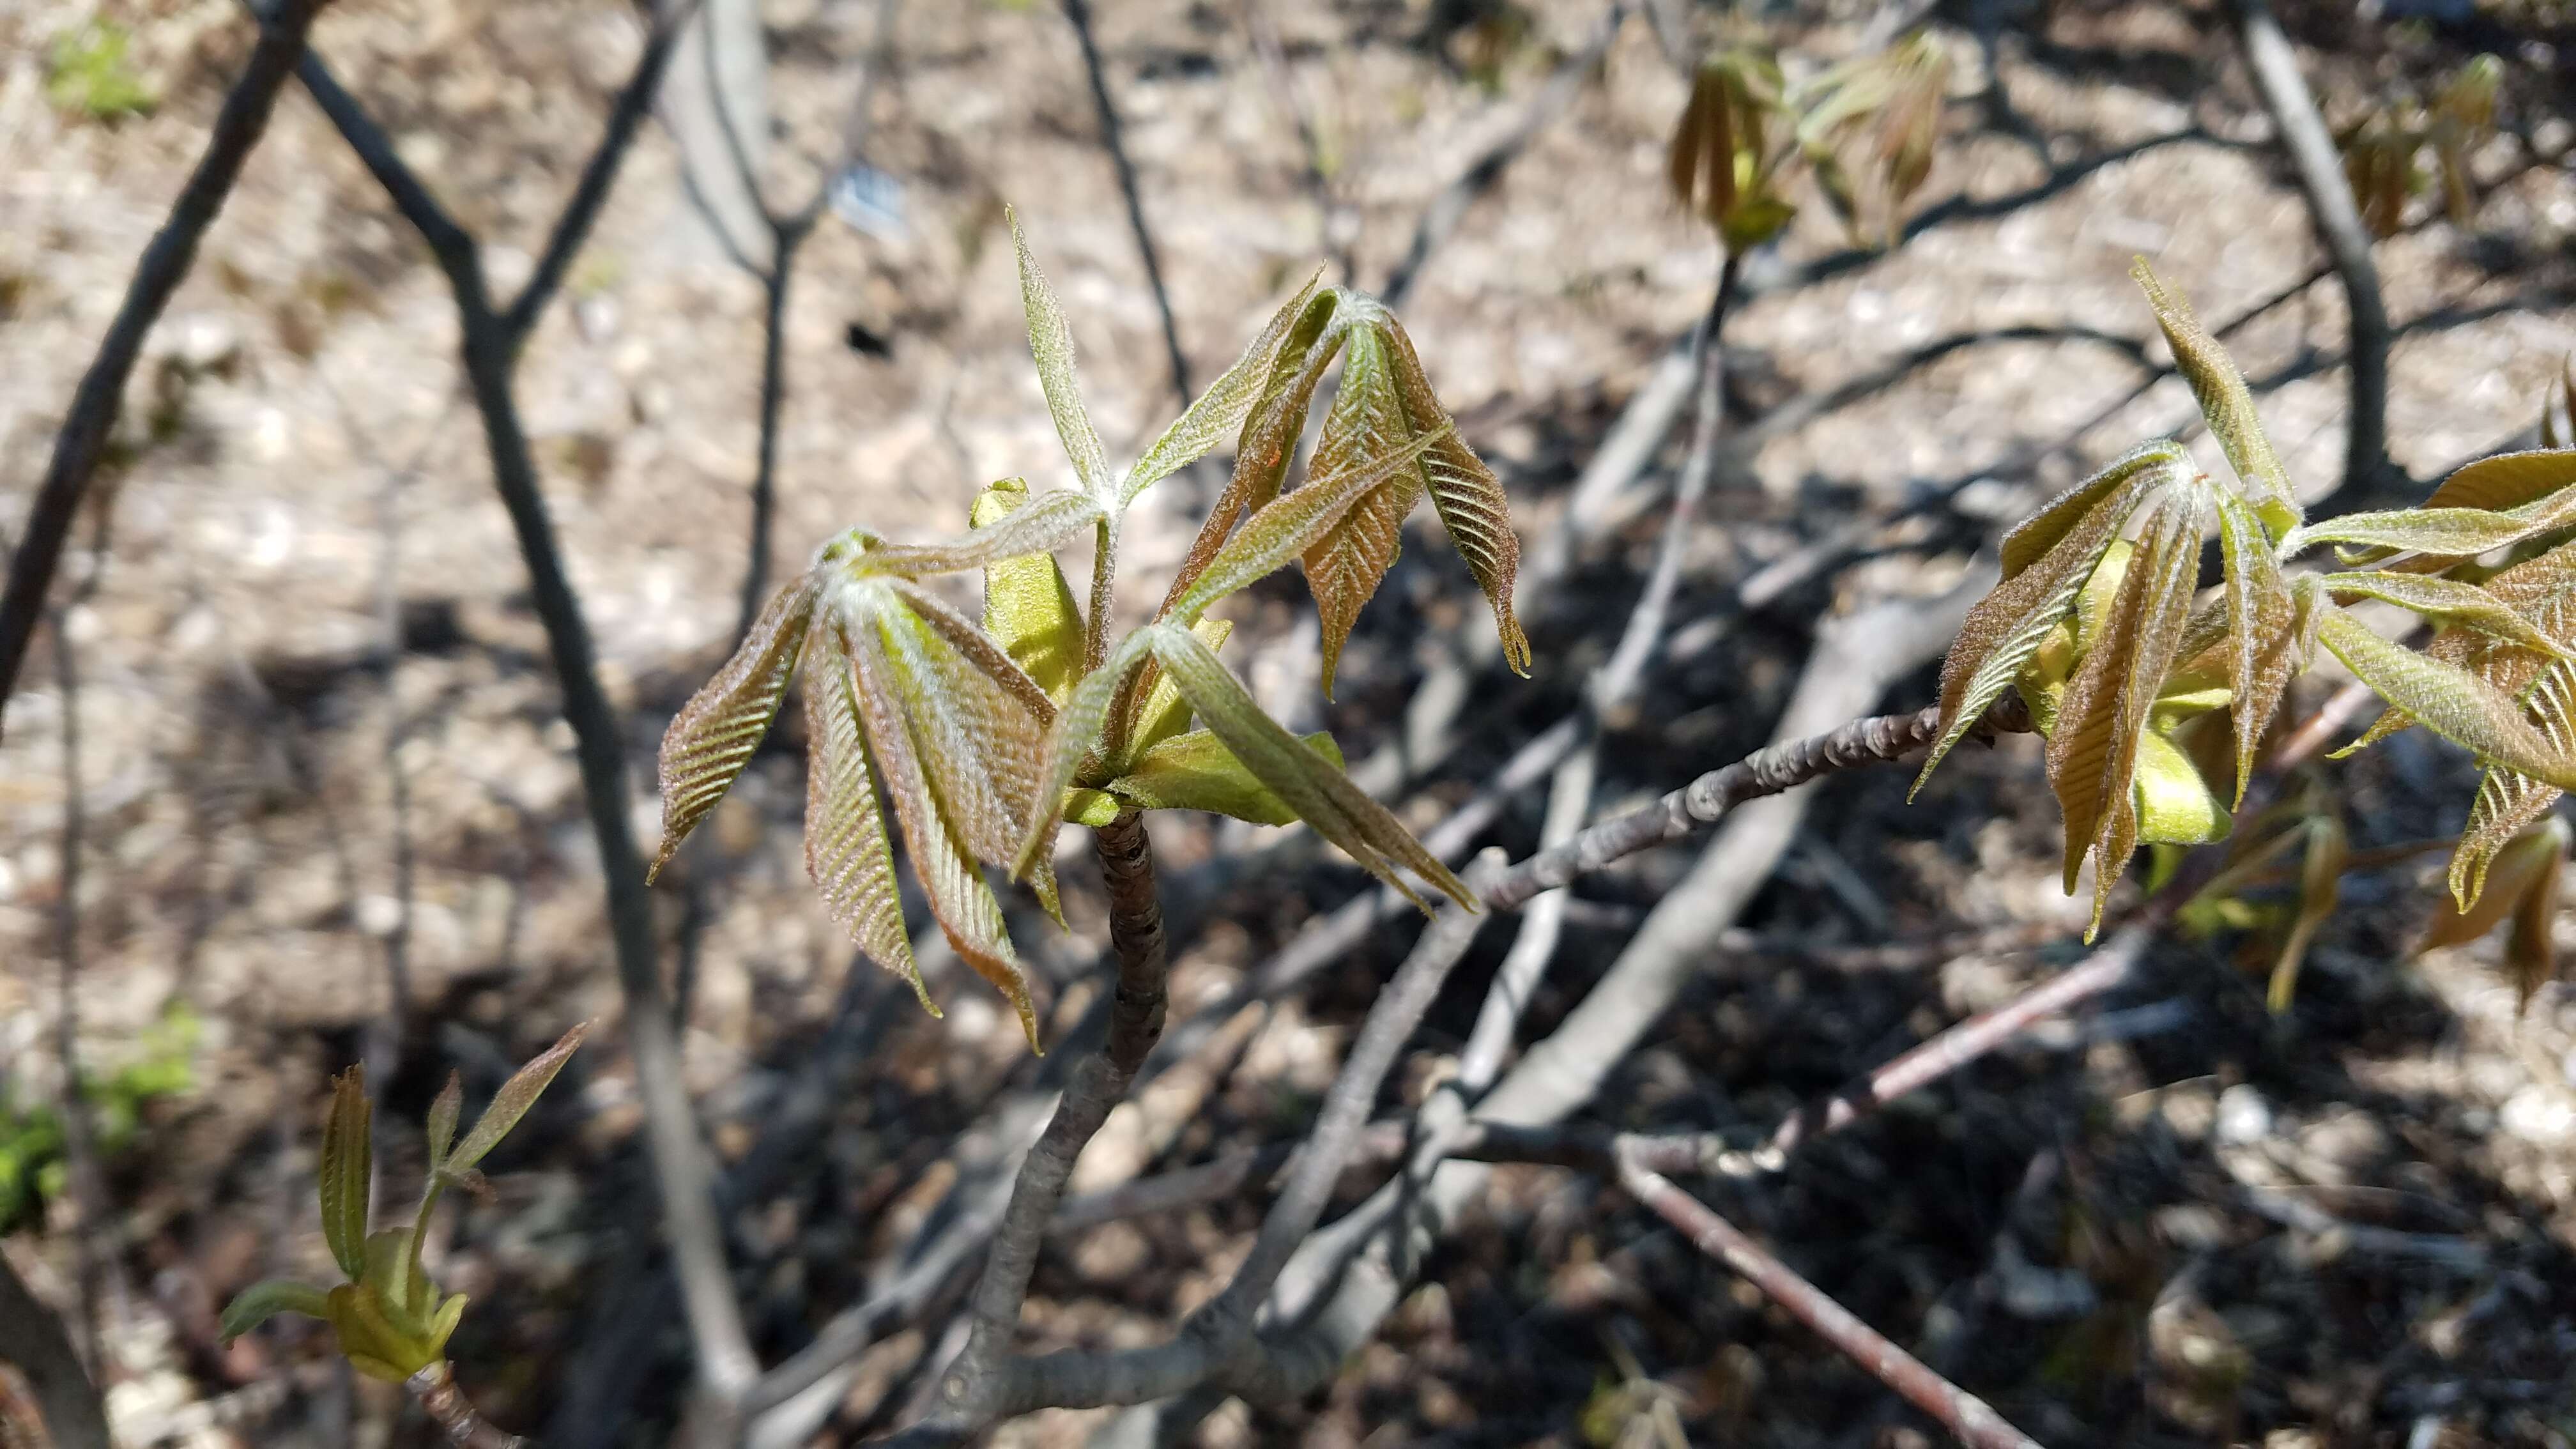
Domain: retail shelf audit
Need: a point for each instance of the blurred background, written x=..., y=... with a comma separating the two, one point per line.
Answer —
x=303, y=796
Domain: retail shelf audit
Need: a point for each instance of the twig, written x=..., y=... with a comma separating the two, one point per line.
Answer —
x=79, y=1146
x=448, y=1408
x=32, y=1338
x=2339, y=228
x=1113, y=138
x=82, y=443
x=1449, y=207
x=1965, y=1415
x=491, y=345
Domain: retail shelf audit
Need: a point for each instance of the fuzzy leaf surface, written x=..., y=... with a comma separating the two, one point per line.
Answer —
x=1028, y=607
x=1051, y=343
x=1345, y=564
x=715, y=733
x=2533, y=852
x=511, y=1103
x=2225, y=401
x=1468, y=497
x=1222, y=408
x=261, y=1302
x=1195, y=771
x=1045, y=522
x=2447, y=532
x=847, y=852
x=2447, y=699
x=347, y=1160
x=2263, y=650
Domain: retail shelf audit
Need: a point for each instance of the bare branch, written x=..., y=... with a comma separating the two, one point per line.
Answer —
x=1113, y=137
x=2339, y=227
x=32, y=1337
x=82, y=443
x=448, y=1408
x=1965, y=1415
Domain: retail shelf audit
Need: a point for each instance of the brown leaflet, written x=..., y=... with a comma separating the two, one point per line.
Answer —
x=1470, y=499
x=968, y=914
x=2506, y=481
x=2030, y=540
x=714, y=734
x=1344, y=567
x=847, y=854
x=2008, y=625
x=2095, y=750
x=2262, y=646
x=2224, y=401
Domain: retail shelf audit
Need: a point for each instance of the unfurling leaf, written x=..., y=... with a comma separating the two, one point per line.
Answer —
x=2093, y=755
x=1051, y=343
x=1345, y=564
x=441, y=1127
x=512, y=1102
x=1288, y=526
x=2225, y=402
x=1195, y=771
x=1317, y=790
x=2320, y=883
x=1464, y=492
x=348, y=1155
x=1878, y=116
x=847, y=853
x=1161, y=713
x=1721, y=163
x=2506, y=481
x=1046, y=521
x=1221, y=409
x=2262, y=633
x=714, y=734
x=2047, y=562
x=2445, y=601
x=2446, y=532
x=2522, y=885
x=1075, y=737
x=1028, y=608
x=2449, y=700
x=261, y=1302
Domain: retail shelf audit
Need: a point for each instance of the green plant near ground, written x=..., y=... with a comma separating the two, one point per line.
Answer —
x=2155, y=702
x=388, y=1317
x=33, y=1168
x=90, y=73
x=986, y=734
x=2383, y=150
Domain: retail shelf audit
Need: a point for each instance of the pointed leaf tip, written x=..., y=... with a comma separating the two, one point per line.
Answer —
x=347, y=1161
x=715, y=734
x=512, y=1102
x=1051, y=344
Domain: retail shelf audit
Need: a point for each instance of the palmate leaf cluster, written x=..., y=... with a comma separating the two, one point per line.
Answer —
x=1864, y=129
x=389, y=1319
x=2154, y=699
x=986, y=734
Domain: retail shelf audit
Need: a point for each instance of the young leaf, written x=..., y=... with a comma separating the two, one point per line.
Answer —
x=2506, y=480
x=2320, y=883
x=976, y=721
x=2174, y=804
x=516, y=1096
x=1074, y=738
x=347, y=1159
x=2506, y=801
x=2262, y=641
x=1465, y=493
x=1161, y=713
x=1220, y=409
x=441, y=1129
x=846, y=850
x=1345, y=564
x=1051, y=343
x=1039, y=525
x=714, y=734
x=1195, y=771
x=1319, y=793
x=2008, y=626
x=2448, y=532
x=261, y=1302
x=941, y=854
x=2449, y=700
x=2093, y=756
x=2446, y=601
x=1028, y=607
x=2528, y=866
x=1289, y=525
x=2225, y=402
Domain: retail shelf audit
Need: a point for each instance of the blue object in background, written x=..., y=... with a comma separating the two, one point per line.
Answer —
x=871, y=201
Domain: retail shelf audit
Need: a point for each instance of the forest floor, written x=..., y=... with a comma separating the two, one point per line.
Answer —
x=2176, y=1220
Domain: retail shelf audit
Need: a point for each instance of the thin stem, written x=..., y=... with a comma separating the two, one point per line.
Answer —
x=448, y=1408
x=82, y=443
x=1095, y=624
x=773, y=395
x=1966, y=1416
x=33, y=1340
x=1113, y=137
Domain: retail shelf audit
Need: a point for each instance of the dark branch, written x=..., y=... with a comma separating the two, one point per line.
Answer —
x=1113, y=137
x=32, y=1338
x=82, y=443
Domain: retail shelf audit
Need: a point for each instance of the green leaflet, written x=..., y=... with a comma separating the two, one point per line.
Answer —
x=344, y=1177
x=1160, y=711
x=1051, y=343
x=2506, y=481
x=2008, y=626
x=1221, y=409
x=2448, y=532
x=2030, y=540
x=2449, y=700
x=715, y=733
x=261, y=1302
x=1316, y=790
x=2445, y=601
x=2263, y=644
x=1195, y=771
x=1043, y=523
x=2175, y=805
x=1072, y=739
x=2225, y=402
x=1028, y=608
x=512, y=1102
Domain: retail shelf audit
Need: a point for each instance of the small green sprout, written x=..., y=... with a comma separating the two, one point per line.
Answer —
x=390, y=1319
